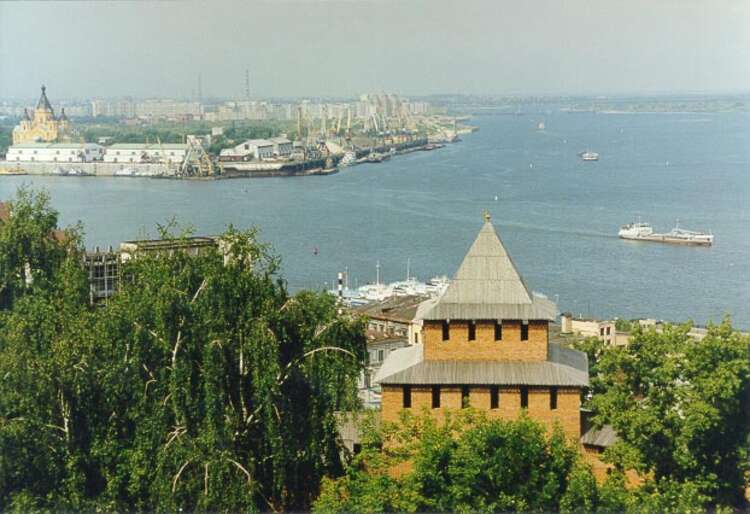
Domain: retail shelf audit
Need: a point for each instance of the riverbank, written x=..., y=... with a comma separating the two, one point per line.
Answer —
x=324, y=165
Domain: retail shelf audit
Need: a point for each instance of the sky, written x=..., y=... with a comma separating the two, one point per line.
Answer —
x=344, y=48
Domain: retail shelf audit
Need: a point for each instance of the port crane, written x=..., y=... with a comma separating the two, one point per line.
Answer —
x=197, y=162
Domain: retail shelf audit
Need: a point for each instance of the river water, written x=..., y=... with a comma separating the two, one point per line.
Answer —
x=558, y=216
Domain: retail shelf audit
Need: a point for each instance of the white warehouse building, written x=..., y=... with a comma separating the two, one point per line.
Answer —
x=250, y=149
x=282, y=147
x=140, y=153
x=55, y=152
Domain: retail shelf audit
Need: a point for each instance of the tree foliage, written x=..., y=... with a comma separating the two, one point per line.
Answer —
x=32, y=250
x=681, y=407
x=202, y=385
x=466, y=463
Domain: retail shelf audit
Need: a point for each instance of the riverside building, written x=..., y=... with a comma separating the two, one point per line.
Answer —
x=144, y=153
x=485, y=344
x=55, y=152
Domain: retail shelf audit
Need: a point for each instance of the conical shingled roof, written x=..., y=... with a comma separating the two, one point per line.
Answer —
x=43, y=102
x=487, y=285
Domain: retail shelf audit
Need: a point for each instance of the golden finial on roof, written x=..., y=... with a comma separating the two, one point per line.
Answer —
x=486, y=215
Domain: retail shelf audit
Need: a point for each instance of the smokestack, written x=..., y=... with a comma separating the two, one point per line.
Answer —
x=340, y=288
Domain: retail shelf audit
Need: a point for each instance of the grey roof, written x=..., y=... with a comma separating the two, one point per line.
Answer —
x=564, y=367
x=602, y=437
x=488, y=286
x=393, y=308
x=399, y=360
x=43, y=102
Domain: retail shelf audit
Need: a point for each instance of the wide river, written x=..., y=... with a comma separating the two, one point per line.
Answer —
x=558, y=216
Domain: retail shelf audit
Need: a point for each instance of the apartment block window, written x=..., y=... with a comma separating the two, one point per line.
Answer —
x=380, y=355
x=498, y=331
x=553, y=398
x=524, y=397
x=608, y=330
x=464, y=397
x=446, y=330
x=494, y=397
x=407, y=397
x=472, y=331
x=524, y=331
x=435, y=397
x=601, y=331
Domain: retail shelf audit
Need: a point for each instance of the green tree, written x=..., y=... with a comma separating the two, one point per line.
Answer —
x=466, y=463
x=202, y=385
x=681, y=407
x=32, y=249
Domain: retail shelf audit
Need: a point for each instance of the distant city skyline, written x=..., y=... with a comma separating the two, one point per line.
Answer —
x=341, y=49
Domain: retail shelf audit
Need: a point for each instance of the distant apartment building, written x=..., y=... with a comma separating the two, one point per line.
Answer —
x=77, y=110
x=117, y=108
x=55, y=152
x=167, y=109
x=143, y=153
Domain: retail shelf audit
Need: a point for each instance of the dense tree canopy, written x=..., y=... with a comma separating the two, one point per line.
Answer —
x=201, y=385
x=681, y=407
x=465, y=463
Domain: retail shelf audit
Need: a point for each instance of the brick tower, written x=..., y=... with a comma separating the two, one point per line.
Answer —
x=486, y=344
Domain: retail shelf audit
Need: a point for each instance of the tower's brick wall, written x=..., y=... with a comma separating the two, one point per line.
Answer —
x=567, y=414
x=485, y=347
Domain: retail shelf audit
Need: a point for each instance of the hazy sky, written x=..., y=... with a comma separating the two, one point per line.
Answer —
x=295, y=48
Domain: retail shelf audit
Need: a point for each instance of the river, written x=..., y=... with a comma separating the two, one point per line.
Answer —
x=558, y=216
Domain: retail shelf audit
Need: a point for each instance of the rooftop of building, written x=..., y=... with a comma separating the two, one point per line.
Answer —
x=603, y=437
x=53, y=146
x=43, y=102
x=377, y=339
x=148, y=146
x=488, y=286
x=257, y=142
x=400, y=309
x=563, y=367
x=154, y=244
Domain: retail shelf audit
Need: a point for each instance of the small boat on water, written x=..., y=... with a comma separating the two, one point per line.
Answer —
x=378, y=157
x=589, y=156
x=644, y=232
x=540, y=126
x=349, y=159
